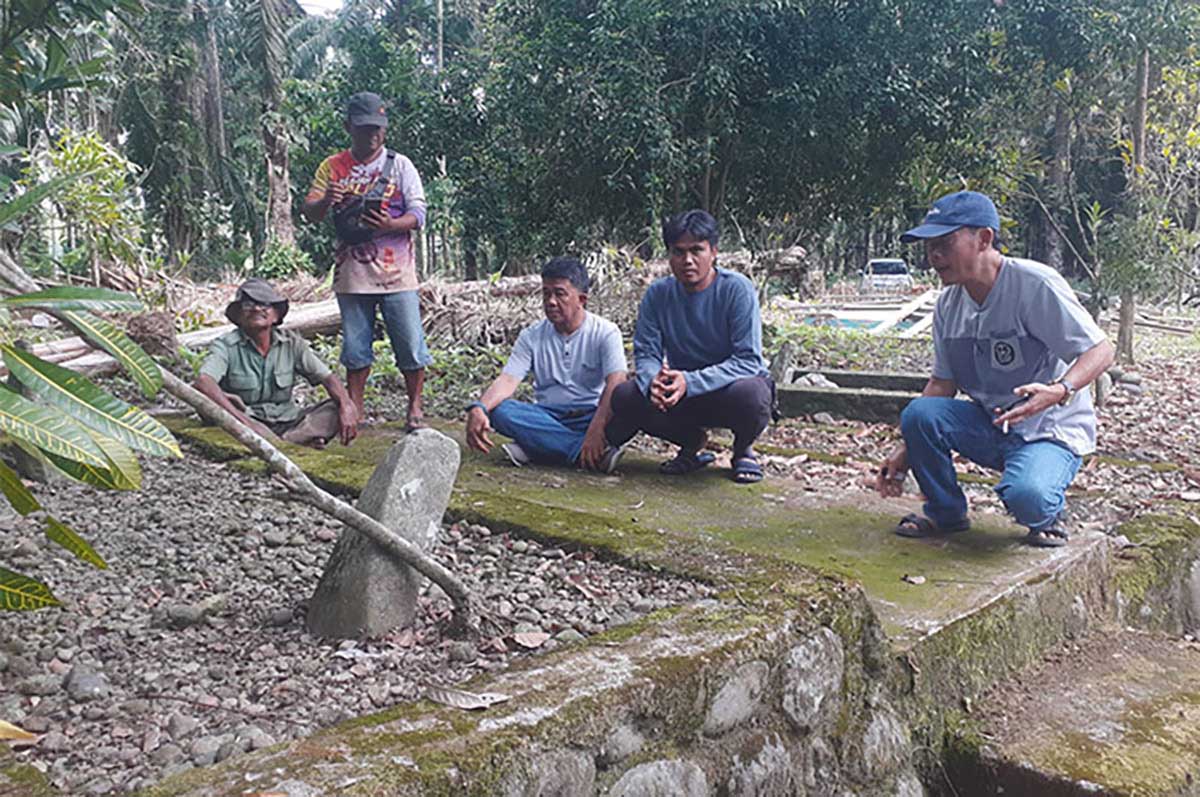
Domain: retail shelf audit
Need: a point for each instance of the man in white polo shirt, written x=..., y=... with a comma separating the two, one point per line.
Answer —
x=1011, y=334
x=577, y=359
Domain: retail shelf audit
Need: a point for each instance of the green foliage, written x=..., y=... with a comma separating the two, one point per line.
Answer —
x=459, y=375
x=70, y=424
x=100, y=300
x=119, y=346
x=837, y=347
x=280, y=261
x=79, y=430
x=97, y=197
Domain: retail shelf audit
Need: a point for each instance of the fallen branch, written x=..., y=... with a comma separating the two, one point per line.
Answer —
x=463, y=619
x=303, y=490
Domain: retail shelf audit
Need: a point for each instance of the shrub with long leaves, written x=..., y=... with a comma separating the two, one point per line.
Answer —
x=72, y=425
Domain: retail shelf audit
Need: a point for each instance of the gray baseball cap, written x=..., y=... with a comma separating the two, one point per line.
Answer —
x=366, y=108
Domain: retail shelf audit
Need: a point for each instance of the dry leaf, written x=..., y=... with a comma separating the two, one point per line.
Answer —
x=1190, y=496
x=12, y=732
x=531, y=639
x=457, y=698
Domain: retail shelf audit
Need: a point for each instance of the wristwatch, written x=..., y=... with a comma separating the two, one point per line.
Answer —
x=1070, y=394
x=475, y=404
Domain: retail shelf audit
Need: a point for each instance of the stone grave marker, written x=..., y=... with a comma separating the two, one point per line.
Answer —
x=363, y=592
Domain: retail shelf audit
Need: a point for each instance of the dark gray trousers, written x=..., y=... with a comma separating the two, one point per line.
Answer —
x=743, y=407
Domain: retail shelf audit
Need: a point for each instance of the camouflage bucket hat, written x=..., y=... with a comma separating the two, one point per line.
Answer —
x=261, y=291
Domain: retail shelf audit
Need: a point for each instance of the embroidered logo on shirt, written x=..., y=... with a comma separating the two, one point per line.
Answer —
x=1004, y=352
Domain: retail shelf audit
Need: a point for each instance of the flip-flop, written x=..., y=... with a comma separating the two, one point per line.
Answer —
x=414, y=423
x=746, y=470
x=1053, y=536
x=916, y=526
x=683, y=464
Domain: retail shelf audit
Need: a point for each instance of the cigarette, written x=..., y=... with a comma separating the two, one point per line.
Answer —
x=1004, y=427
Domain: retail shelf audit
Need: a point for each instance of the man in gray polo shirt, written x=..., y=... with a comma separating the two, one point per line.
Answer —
x=1011, y=334
x=577, y=359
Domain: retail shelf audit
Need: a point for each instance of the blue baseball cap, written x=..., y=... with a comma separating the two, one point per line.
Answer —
x=953, y=212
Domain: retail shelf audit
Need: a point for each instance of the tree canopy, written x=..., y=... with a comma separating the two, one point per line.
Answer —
x=548, y=126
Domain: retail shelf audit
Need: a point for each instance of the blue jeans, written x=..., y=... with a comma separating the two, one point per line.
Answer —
x=402, y=317
x=1035, y=474
x=549, y=433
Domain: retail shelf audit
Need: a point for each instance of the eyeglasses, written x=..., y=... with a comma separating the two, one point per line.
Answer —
x=250, y=304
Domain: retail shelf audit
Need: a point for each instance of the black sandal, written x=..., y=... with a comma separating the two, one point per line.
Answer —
x=917, y=526
x=683, y=464
x=747, y=470
x=1053, y=536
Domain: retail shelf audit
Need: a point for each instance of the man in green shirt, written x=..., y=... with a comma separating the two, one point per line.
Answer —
x=250, y=373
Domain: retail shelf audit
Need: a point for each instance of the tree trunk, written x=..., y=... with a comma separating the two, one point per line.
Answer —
x=1138, y=123
x=1141, y=97
x=1125, y=327
x=1059, y=169
x=279, y=189
x=470, y=260
x=214, y=101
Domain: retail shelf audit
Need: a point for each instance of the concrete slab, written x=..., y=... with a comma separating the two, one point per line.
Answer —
x=849, y=534
x=1118, y=714
x=879, y=380
x=862, y=404
x=801, y=574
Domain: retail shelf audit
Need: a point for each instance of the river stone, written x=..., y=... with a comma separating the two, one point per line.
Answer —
x=813, y=678
x=662, y=779
x=622, y=742
x=738, y=698
x=1192, y=600
x=363, y=592
x=885, y=742
x=83, y=684
x=822, y=771
x=39, y=685
x=296, y=788
x=908, y=785
x=565, y=773
x=771, y=773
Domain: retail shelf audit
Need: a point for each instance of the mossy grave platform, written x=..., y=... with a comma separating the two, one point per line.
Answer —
x=827, y=629
x=702, y=523
x=1118, y=714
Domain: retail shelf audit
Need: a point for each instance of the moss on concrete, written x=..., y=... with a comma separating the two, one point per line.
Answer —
x=209, y=441
x=816, y=456
x=1157, y=467
x=1149, y=574
x=987, y=607
x=23, y=780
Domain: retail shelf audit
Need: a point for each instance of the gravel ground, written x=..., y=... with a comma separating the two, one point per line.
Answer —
x=191, y=647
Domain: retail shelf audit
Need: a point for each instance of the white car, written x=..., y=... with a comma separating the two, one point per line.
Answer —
x=886, y=275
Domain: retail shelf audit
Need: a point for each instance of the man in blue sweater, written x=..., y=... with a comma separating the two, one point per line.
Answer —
x=698, y=356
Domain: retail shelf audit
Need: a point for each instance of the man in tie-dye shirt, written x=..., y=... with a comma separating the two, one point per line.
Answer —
x=379, y=271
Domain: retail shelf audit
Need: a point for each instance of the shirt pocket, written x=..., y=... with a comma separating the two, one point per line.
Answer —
x=591, y=373
x=245, y=387
x=283, y=379
x=1004, y=351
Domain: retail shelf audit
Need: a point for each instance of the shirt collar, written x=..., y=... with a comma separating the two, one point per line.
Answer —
x=244, y=339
